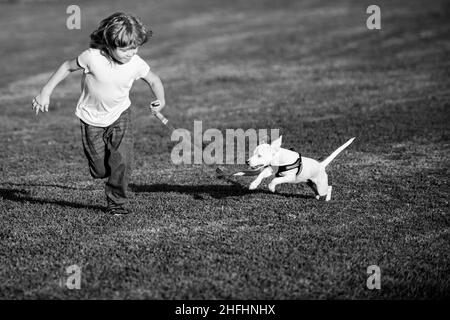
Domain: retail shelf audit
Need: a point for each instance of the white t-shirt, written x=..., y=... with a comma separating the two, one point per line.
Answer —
x=105, y=87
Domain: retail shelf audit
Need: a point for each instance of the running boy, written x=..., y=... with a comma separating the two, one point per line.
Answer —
x=111, y=64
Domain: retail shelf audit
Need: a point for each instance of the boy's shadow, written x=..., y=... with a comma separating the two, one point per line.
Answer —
x=214, y=191
x=22, y=195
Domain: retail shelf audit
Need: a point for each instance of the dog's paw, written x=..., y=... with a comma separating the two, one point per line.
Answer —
x=272, y=187
x=328, y=198
x=253, y=185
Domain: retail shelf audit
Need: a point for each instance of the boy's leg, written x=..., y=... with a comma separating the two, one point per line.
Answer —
x=119, y=144
x=95, y=148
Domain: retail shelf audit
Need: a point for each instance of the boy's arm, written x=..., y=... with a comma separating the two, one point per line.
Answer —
x=157, y=87
x=42, y=100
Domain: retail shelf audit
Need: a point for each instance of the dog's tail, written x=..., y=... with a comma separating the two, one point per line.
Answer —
x=336, y=152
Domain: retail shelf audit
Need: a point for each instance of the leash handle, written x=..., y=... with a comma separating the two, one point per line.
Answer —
x=161, y=118
x=158, y=114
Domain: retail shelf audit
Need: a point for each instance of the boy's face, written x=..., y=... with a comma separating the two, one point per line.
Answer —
x=124, y=55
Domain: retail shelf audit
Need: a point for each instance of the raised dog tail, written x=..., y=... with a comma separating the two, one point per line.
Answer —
x=336, y=152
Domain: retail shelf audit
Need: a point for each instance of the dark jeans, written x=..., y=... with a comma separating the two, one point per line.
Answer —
x=109, y=151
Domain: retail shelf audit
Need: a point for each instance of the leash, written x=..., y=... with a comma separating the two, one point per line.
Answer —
x=298, y=164
x=220, y=173
x=167, y=124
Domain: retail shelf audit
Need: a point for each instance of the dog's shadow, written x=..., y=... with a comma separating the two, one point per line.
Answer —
x=214, y=191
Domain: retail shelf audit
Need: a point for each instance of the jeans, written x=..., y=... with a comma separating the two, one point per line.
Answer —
x=109, y=151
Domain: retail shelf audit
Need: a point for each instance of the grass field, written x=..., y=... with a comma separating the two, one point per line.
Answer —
x=310, y=68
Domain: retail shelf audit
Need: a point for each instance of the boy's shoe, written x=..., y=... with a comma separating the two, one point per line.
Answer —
x=118, y=211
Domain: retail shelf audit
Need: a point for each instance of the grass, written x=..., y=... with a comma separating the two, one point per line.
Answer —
x=309, y=68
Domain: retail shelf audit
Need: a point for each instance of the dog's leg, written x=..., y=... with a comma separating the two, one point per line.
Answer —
x=328, y=198
x=267, y=172
x=313, y=186
x=323, y=188
x=286, y=179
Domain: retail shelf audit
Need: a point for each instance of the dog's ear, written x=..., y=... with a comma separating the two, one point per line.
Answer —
x=277, y=143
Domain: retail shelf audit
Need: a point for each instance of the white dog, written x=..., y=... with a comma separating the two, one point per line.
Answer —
x=292, y=167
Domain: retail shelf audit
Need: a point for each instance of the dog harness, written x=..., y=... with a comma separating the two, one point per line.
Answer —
x=297, y=164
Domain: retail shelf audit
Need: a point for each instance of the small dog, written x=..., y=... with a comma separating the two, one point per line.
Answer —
x=292, y=167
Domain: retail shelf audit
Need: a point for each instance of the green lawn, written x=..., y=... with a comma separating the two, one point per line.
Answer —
x=311, y=69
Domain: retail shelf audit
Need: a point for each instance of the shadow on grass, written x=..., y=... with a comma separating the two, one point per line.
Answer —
x=21, y=195
x=215, y=191
x=49, y=185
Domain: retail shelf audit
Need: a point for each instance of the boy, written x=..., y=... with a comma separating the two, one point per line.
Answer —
x=111, y=65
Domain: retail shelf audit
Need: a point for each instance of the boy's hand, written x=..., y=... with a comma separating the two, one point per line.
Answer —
x=156, y=106
x=41, y=102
